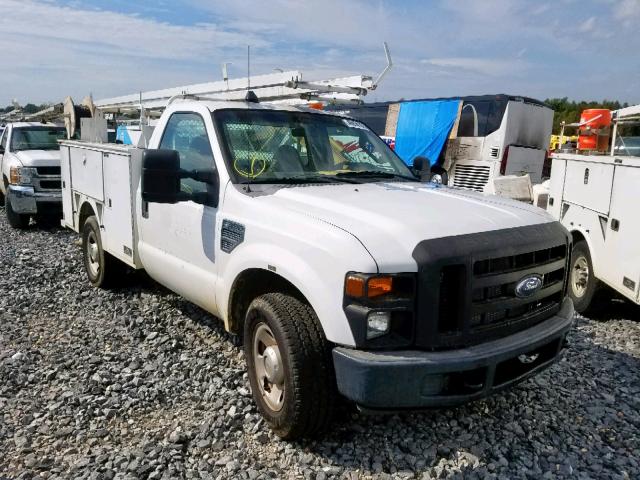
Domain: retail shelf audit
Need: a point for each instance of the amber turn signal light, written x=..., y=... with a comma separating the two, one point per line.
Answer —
x=378, y=286
x=358, y=286
x=354, y=286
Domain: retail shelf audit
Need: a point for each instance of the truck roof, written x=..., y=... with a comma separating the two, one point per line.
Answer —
x=214, y=105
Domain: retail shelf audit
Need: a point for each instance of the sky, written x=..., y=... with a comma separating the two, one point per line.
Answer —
x=581, y=49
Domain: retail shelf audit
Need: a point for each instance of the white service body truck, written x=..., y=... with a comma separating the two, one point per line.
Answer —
x=30, y=165
x=596, y=198
x=309, y=238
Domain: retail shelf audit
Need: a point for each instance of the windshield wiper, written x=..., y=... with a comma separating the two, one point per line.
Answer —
x=304, y=179
x=374, y=174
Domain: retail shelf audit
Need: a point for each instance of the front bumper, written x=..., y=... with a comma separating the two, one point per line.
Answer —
x=393, y=380
x=26, y=201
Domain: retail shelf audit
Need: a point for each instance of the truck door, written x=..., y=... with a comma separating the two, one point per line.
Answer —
x=621, y=267
x=177, y=242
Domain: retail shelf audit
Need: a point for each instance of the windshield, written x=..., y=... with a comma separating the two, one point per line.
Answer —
x=266, y=146
x=36, y=138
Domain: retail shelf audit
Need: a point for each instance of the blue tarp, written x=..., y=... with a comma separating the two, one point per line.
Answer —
x=423, y=128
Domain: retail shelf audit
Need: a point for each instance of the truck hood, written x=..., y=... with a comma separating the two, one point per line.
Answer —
x=38, y=158
x=390, y=219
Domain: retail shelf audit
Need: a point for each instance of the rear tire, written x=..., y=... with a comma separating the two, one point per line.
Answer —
x=16, y=220
x=290, y=366
x=103, y=270
x=582, y=282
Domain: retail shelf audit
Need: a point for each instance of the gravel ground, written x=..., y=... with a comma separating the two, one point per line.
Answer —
x=138, y=383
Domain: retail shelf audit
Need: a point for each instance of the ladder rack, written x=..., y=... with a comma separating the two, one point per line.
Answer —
x=282, y=87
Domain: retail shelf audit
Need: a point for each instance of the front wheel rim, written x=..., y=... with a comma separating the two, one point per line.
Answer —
x=580, y=276
x=268, y=367
x=93, y=254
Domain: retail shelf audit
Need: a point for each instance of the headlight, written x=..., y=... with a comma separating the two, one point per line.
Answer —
x=380, y=308
x=378, y=324
x=21, y=175
x=436, y=178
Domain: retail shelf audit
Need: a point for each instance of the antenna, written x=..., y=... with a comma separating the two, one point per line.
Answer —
x=248, y=67
x=387, y=54
x=225, y=73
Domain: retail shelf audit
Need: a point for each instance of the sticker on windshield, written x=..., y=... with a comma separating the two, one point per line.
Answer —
x=354, y=124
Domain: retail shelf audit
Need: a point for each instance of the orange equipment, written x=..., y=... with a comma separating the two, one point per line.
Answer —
x=594, y=130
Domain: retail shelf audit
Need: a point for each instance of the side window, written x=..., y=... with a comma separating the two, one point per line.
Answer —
x=186, y=133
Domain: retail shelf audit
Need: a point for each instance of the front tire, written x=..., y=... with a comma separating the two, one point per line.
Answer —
x=16, y=220
x=103, y=270
x=582, y=282
x=289, y=364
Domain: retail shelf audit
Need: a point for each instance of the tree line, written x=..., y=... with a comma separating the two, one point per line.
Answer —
x=28, y=108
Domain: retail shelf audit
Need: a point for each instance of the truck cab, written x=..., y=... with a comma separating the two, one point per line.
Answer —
x=312, y=241
x=30, y=165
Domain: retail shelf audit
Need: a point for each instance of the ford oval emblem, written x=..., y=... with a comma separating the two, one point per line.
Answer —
x=528, y=286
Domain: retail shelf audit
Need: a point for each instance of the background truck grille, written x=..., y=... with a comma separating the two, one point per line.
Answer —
x=48, y=170
x=471, y=177
x=47, y=178
x=467, y=284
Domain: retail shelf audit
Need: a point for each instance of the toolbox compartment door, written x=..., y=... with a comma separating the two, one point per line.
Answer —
x=67, y=197
x=117, y=216
x=86, y=166
x=621, y=266
x=588, y=184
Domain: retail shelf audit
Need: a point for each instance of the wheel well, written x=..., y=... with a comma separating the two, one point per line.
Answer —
x=577, y=236
x=251, y=284
x=85, y=212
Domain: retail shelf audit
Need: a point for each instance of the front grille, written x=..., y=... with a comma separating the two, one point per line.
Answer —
x=50, y=184
x=48, y=170
x=494, y=303
x=467, y=284
x=471, y=177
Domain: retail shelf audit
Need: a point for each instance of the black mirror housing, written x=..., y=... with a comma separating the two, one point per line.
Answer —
x=421, y=167
x=161, y=176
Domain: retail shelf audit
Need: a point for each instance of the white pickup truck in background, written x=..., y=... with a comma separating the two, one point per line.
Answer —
x=307, y=236
x=30, y=165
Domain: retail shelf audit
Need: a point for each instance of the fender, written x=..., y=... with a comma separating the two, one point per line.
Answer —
x=79, y=201
x=592, y=250
x=322, y=287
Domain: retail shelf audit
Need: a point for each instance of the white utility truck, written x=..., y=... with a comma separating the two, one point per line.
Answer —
x=30, y=165
x=309, y=238
x=595, y=196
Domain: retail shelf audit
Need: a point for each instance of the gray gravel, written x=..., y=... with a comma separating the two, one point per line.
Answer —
x=138, y=383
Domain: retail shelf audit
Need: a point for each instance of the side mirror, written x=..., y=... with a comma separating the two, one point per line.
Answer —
x=161, y=176
x=421, y=167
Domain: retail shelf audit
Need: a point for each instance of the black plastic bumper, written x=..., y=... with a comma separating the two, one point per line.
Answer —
x=395, y=380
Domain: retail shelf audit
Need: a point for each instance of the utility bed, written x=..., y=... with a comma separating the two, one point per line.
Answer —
x=105, y=175
x=597, y=196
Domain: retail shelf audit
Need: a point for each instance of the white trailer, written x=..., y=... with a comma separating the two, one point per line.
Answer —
x=596, y=198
